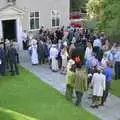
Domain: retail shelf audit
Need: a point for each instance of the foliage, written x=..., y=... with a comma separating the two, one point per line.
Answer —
x=90, y=24
x=95, y=8
x=106, y=12
x=77, y=5
x=27, y=95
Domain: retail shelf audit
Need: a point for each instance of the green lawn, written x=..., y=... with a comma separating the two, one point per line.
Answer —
x=25, y=97
x=116, y=87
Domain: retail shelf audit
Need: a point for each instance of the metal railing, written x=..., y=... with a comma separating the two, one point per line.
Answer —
x=77, y=15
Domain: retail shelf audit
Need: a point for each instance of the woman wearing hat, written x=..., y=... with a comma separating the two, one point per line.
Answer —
x=54, y=58
x=33, y=52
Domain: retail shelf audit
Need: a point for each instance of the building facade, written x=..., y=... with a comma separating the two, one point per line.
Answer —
x=30, y=15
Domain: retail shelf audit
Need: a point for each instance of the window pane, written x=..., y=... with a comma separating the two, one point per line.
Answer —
x=32, y=24
x=53, y=12
x=11, y=1
x=53, y=22
x=37, y=24
x=36, y=14
x=32, y=14
x=57, y=21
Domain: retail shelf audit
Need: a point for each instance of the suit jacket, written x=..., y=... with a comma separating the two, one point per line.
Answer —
x=2, y=54
x=12, y=55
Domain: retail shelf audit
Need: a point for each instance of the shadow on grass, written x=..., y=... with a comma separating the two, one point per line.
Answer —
x=7, y=114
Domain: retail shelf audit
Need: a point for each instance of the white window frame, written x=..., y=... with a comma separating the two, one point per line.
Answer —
x=34, y=19
x=57, y=15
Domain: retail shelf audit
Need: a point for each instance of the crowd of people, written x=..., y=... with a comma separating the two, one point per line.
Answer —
x=86, y=58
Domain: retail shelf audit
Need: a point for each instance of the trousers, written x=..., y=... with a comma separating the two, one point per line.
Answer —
x=69, y=92
x=105, y=93
x=117, y=70
x=14, y=68
x=79, y=95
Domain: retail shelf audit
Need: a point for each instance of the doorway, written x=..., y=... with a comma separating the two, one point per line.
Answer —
x=9, y=30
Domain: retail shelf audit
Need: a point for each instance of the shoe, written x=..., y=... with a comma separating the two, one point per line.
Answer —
x=101, y=104
x=54, y=71
x=94, y=106
x=77, y=103
x=89, y=97
x=17, y=73
x=12, y=74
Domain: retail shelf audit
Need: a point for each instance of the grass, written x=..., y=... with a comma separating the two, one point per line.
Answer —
x=6, y=114
x=25, y=97
x=116, y=87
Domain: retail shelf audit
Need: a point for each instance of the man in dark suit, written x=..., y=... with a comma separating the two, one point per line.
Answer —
x=40, y=51
x=2, y=60
x=13, y=60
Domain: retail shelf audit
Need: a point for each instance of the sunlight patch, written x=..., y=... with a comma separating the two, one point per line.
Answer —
x=16, y=115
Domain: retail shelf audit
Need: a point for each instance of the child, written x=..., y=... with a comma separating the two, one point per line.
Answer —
x=70, y=77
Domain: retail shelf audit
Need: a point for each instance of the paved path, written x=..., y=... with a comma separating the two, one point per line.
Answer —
x=111, y=110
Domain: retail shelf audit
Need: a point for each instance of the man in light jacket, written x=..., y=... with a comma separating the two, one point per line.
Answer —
x=98, y=84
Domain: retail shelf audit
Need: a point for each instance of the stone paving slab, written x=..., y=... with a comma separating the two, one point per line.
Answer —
x=111, y=110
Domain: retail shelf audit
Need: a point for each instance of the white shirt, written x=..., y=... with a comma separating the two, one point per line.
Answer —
x=98, y=83
x=53, y=53
x=88, y=52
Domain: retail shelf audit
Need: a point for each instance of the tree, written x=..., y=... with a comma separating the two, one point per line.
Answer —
x=77, y=5
x=106, y=13
x=95, y=8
